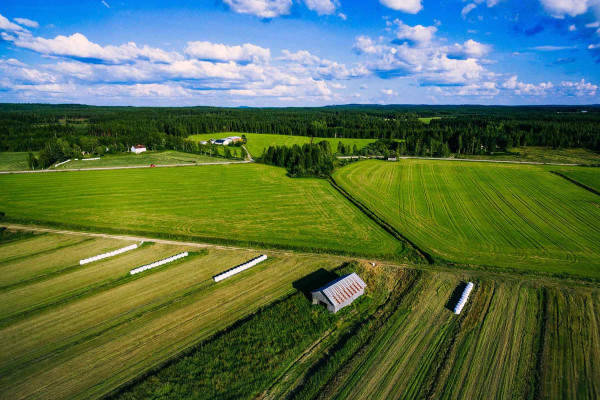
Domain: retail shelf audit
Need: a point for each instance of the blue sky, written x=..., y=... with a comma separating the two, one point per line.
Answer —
x=300, y=52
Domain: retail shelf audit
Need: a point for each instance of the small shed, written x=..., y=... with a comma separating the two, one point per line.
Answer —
x=340, y=292
x=137, y=149
x=392, y=159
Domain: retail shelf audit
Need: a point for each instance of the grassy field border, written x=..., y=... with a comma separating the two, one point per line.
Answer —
x=201, y=239
x=384, y=225
x=573, y=181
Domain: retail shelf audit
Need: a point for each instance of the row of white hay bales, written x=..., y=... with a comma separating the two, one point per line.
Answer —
x=463, y=299
x=158, y=263
x=109, y=254
x=240, y=268
x=61, y=163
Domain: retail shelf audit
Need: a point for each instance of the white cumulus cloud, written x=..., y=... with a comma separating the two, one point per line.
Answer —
x=419, y=35
x=260, y=8
x=220, y=52
x=322, y=7
x=407, y=6
x=560, y=8
x=27, y=22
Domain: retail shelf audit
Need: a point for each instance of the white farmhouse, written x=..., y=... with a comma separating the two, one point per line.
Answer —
x=140, y=148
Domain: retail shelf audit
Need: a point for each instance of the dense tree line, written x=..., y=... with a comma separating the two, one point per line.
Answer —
x=464, y=129
x=307, y=160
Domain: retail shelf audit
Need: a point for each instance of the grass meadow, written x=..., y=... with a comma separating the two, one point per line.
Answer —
x=518, y=217
x=78, y=343
x=257, y=142
x=13, y=160
x=589, y=177
x=146, y=158
x=548, y=346
x=250, y=204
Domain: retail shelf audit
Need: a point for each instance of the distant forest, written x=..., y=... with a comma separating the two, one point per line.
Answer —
x=457, y=129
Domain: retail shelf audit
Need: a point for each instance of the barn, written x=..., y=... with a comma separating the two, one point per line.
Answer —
x=340, y=292
x=140, y=148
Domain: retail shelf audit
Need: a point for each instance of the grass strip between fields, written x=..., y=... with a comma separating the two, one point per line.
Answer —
x=573, y=181
x=384, y=225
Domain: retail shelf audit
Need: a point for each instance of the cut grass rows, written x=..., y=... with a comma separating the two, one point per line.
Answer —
x=255, y=205
x=93, y=343
x=514, y=216
x=489, y=351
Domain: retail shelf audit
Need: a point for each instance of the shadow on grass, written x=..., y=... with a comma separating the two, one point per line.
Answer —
x=314, y=281
x=456, y=296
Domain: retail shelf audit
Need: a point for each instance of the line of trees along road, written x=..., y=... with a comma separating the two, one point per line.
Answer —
x=463, y=129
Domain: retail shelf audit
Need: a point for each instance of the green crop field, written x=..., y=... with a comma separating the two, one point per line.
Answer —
x=149, y=157
x=13, y=161
x=589, y=177
x=249, y=203
x=98, y=327
x=513, y=339
x=512, y=216
x=427, y=120
x=257, y=142
x=543, y=155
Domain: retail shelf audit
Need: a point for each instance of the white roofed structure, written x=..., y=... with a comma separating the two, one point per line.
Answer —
x=340, y=292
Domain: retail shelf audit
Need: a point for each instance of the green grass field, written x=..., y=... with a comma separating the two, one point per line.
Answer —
x=512, y=340
x=427, y=120
x=84, y=331
x=257, y=142
x=13, y=161
x=542, y=155
x=81, y=343
x=249, y=203
x=515, y=216
x=149, y=157
x=589, y=177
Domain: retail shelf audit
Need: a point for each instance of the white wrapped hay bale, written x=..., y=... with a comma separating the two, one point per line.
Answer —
x=240, y=268
x=109, y=254
x=463, y=299
x=158, y=263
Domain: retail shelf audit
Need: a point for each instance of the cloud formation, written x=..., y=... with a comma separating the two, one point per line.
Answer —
x=407, y=6
x=245, y=53
x=260, y=8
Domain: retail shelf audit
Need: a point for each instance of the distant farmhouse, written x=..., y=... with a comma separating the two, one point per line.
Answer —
x=340, y=292
x=228, y=140
x=140, y=148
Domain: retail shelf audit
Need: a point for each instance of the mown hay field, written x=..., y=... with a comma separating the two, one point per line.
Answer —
x=257, y=142
x=520, y=217
x=13, y=161
x=514, y=339
x=249, y=204
x=84, y=330
x=166, y=157
x=589, y=177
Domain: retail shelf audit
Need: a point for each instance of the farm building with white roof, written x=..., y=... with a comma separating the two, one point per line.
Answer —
x=340, y=292
x=140, y=148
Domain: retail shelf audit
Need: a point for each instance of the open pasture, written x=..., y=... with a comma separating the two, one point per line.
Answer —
x=589, y=177
x=425, y=351
x=146, y=158
x=249, y=204
x=13, y=161
x=86, y=345
x=514, y=216
x=257, y=142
